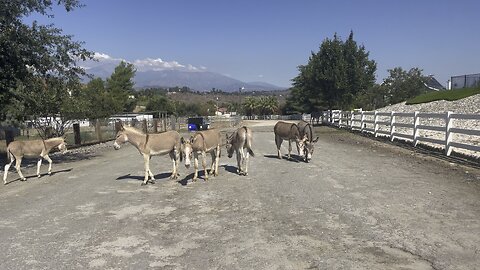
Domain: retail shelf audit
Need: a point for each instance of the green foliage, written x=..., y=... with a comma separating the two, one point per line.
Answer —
x=333, y=77
x=449, y=95
x=372, y=98
x=120, y=87
x=401, y=85
x=36, y=60
x=263, y=105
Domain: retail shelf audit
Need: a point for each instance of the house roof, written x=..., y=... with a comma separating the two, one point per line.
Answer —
x=432, y=83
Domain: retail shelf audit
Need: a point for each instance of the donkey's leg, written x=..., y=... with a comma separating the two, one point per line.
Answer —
x=278, y=142
x=195, y=166
x=174, y=170
x=247, y=156
x=217, y=159
x=146, y=158
x=47, y=158
x=204, y=165
x=7, y=167
x=39, y=163
x=289, y=147
x=212, y=167
x=152, y=177
x=239, y=162
x=18, y=161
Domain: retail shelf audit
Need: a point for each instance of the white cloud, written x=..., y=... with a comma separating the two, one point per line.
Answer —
x=147, y=64
x=260, y=76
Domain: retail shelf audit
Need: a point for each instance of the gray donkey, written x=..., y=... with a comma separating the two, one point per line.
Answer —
x=290, y=132
x=239, y=140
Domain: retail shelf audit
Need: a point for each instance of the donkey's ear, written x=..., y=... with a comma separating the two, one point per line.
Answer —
x=314, y=141
x=182, y=140
x=191, y=139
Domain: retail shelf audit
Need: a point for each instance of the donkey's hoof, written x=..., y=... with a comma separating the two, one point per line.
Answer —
x=152, y=181
x=38, y=175
x=49, y=173
x=24, y=179
x=143, y=184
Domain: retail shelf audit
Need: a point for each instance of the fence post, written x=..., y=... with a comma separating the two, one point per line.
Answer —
x=76, y=134
x=448, y=134
x=392, y=126
x=340, y=119
x=375, y=124
x=351, y=119
x=416, y=122
x=362, y=121
x=144, y=126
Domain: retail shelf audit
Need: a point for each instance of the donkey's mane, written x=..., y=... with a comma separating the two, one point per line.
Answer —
x=134, y=130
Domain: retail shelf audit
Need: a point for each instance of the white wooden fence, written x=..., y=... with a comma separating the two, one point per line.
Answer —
x=445, y=130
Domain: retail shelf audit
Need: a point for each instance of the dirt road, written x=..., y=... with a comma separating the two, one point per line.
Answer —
x=360, y=204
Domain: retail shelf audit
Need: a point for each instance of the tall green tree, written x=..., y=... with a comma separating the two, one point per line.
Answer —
x=401, y=85
x=120, y=87
x=34, y=59
x=333, y=76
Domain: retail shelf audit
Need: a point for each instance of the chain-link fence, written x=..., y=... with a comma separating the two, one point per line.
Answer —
x=465, y=81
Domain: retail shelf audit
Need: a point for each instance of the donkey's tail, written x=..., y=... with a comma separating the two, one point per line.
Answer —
x=250, y=151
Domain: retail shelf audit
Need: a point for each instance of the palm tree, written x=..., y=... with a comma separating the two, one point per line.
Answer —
x=250, y=104
x=268, y=105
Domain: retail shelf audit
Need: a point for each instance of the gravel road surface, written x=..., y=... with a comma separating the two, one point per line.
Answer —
x=360, y=204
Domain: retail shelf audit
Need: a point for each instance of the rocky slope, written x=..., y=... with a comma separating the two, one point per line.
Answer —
x=469, y=105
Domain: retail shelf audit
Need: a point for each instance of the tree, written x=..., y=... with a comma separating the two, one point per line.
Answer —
x=250, y=105
x=401, y=85
x=333, y=76
x=120, y=87
x=35, y=59
x=268, y=105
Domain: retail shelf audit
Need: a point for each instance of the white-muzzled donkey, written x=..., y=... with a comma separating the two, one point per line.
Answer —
x=239, y=140
x=16, y=150
x=306, y=133
x=201, y=143
x=151, y=145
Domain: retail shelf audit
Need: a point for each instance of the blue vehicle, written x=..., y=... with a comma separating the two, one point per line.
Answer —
x=197, y=123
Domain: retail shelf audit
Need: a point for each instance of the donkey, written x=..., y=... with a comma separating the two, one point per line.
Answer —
x=290, y=132
x=239, y=140
x=151, y=145
x=306, y=133
x=202, y=142
x=16, y=150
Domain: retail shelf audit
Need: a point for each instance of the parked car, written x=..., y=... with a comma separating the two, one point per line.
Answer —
x=197, y=123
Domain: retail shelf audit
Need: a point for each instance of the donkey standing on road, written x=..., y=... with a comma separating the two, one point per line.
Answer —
x=290, y=132
x=306, y=133
x=202, y=142
x=240, y=139
x=16, y=150
x=151, y=145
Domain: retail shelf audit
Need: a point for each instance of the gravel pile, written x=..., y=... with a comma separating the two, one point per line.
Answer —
x=469, y=105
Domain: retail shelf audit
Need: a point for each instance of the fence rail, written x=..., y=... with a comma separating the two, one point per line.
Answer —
x=439, y=129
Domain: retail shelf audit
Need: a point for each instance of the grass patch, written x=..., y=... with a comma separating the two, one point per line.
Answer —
x=449, y=95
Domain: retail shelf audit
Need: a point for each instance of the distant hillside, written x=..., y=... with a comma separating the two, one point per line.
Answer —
x=149, y=74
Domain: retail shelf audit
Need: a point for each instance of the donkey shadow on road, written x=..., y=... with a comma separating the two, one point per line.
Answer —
x=293, y=157
x=160, y=176
x=41, y=175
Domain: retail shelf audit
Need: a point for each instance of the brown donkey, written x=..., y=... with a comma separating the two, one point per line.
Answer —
x=151, y=145
x=239, y=140
x=290, y=132
x=202, y=142
x=16, y=150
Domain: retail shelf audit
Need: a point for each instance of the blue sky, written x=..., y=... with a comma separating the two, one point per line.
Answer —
x=265, y=40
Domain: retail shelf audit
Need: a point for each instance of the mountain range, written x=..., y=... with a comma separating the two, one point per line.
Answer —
x=158, y=73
